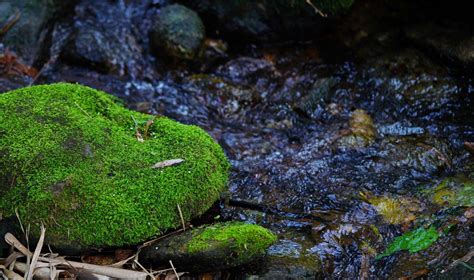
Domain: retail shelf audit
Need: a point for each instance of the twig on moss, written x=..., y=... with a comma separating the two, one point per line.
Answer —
x=147, y=127
x=137, y=130
x=318, y=11
x=19, y=220
x=84, y=111
x=181, y=217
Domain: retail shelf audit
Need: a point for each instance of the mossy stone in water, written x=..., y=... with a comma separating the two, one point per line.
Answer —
x=215, y=247
x=178, y=32
x=70, y=158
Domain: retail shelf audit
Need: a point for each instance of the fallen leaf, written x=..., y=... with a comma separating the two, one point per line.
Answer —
x=167, y=163
x=413, y=241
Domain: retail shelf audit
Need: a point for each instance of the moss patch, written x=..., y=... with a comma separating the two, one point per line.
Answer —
x=245, y=240
x=454, y=191
x=71, y=159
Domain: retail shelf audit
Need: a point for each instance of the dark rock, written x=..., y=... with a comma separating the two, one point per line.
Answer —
x=264, y=20
x=210, y=248
x=178, y=32
x=455, y=43
x=25, y=35
x=102, y=38
x=246, y=70
x=9, y=225
x=314, y=100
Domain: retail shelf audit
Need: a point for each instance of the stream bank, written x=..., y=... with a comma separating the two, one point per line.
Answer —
x=332, y=137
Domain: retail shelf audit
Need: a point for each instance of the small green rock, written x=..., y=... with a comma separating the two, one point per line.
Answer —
x=219, y=246
x=75, y=160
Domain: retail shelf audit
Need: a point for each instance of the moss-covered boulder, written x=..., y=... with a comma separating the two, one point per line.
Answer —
x=177, y=32
x=73, y=158
x=215, y=247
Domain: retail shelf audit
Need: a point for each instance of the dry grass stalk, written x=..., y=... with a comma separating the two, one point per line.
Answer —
x=174, y=270
x=181, y=217
x=36, y=254
x=148, y=243
x=94, y=269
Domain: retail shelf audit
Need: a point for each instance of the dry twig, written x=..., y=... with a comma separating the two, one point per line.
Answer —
x=174, y=270
x=36, y=254
x=91, y=268
x=181, y=217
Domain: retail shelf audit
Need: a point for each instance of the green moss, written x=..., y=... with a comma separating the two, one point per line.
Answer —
x=70, y=158
x=454, y=191
x=245, y=240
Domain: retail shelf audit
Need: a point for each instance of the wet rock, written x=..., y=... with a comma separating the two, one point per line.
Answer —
x=31, y=17
x=411, y=86
x=362, y=131
x=288, y=260
x=455, y=43
x=246, y=70
x=313, y=102
x=454, y=191
x=177, y=32
x=98, y=43
x=264, y=21
x=225, y=99
x=421, y=156
x=210, y=248
x=89, y=178
x=395, y=210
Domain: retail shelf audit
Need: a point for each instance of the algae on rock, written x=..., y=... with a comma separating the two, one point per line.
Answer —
x=70, y=159
x=219, y=246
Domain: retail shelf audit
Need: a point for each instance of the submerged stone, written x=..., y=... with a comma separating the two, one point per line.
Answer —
x=288, y=260
x=362, y=130
x=214, y=247
x=454, y=191
x=75, y=160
